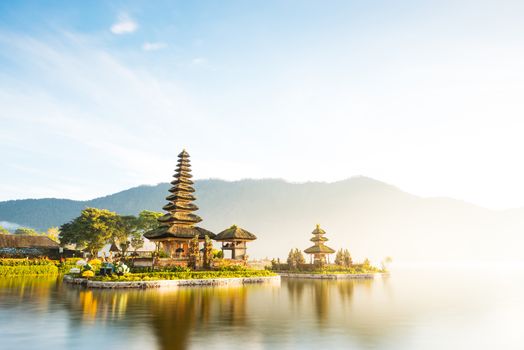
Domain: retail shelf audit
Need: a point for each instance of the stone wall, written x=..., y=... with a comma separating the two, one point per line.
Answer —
x=172, y=283
x=331, y=276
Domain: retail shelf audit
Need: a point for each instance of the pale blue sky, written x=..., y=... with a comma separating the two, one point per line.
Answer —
x=99, y=96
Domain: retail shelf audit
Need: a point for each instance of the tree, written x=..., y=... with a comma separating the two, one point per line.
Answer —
x=387, y=260
x=291, y=260
x=346, y=258
x=93, y=229
x=137, y=241
x=339, y=258
x=299, y=257
x=295, y=259
x=366, y=264
x=148, y=220
x=53, y=233
x=4, y=231
x=127, y=228
x=26, y=231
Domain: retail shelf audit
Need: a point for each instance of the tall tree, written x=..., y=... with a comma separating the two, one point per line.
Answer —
x=339, y=258
x=295, y=258
x=127, y=228
x=148, y=220
x=93, y=229
x=291, y=260
x=347, y=260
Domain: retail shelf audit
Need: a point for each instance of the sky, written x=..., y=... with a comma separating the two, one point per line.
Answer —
x=100, y=96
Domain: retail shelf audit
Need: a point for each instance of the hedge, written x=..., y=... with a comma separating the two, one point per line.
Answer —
x=19, y=270
x=185, y=275
x=16, y=267
x=27, y=262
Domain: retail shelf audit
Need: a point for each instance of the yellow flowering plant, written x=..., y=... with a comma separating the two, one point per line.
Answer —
x=88, y=273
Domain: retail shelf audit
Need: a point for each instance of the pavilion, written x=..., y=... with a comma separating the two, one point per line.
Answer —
x=177, y=227
x=319, y=252
x=234, y=239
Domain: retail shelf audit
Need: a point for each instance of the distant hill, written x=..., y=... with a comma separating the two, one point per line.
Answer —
x=369, y=217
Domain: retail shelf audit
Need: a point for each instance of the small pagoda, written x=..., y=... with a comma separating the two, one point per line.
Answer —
x=234, y=239
x=319, y=252
x=177, y=227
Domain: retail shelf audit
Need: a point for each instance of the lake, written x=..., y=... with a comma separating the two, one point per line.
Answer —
x=438, y=308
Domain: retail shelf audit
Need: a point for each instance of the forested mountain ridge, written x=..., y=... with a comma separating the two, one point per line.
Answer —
x=369, y=217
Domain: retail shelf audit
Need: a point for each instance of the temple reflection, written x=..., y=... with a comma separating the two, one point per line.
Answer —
x=182, y=318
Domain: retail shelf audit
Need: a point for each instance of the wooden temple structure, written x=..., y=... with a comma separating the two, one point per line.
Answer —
x=234, y=239
x=178, y=226
x=319, y=251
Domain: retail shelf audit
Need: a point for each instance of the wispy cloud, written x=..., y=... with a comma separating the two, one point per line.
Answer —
x=153, y=46
x=198, y=61
x=125, y=24
x=101, y=119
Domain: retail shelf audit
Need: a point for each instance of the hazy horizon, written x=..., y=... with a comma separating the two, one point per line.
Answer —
x=269, y=179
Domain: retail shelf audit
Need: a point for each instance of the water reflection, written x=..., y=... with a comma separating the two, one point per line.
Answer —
x=386, y=313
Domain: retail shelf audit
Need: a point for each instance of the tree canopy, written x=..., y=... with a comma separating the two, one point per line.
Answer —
x=95, y=228
x=295, y=258
x=343, y=258
x=92, y=229
x=25, y=231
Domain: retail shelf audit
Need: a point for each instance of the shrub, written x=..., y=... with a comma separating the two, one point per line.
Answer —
x=232, y=268
x=88, y=273
x=95, y=262
x=121, y=268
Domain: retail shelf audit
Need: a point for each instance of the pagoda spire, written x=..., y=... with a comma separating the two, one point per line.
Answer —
x=319, y=250
x=180, y=207
x=177, y=228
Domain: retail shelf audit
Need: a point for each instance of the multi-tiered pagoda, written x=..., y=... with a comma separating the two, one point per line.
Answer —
x=319, y=251
x=177, y=227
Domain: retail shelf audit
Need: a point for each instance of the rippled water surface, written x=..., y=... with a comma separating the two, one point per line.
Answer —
x=411, y=309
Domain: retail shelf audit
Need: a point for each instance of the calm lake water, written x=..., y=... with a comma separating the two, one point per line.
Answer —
x=410, y=309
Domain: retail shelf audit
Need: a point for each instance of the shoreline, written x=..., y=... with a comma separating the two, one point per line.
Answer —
x=170, y=283
x=332, y=276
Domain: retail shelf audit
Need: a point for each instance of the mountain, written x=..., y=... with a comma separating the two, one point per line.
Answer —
x=368, y=217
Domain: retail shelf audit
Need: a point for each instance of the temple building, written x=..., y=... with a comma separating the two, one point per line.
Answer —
x=319, y=252
x=234, y=239
x=177, y=227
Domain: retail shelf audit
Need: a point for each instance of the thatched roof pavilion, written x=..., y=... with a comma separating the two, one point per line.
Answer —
x=23, y=246
x=177, y=226
x=26, y=241
x=234, y=239
x=319, y=251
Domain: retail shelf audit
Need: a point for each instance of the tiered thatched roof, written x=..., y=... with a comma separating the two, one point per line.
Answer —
x=235, y=233
x=319, y=239
x=179, y=221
